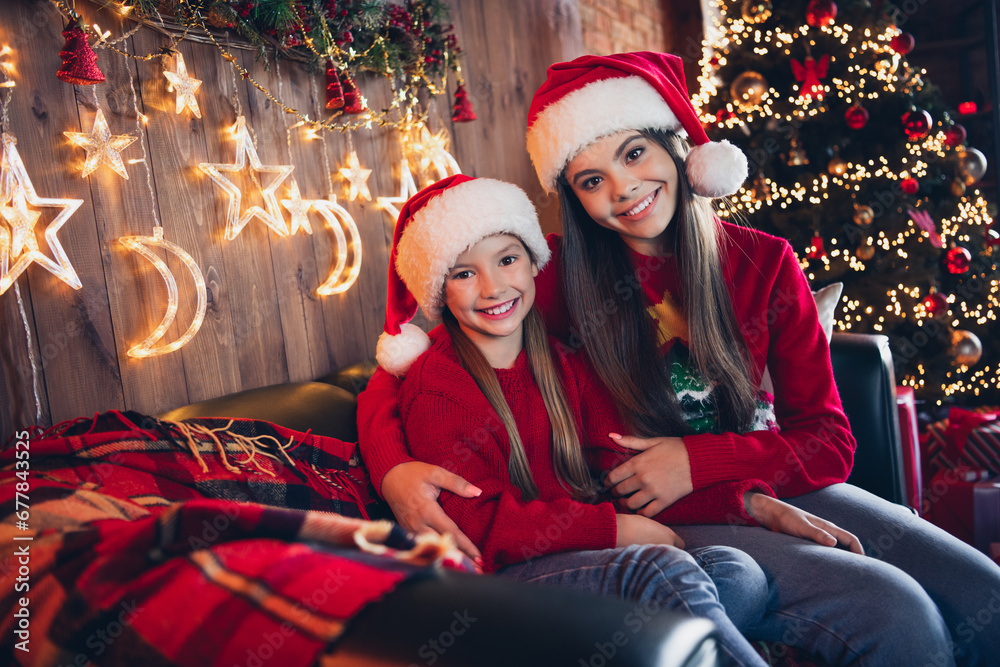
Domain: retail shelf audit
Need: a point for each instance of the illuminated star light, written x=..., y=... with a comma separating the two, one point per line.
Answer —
x=407, y=188
x=298, y=207
x=357, y=177
x=18, y=190
x=103, y=148
x=433, y=150
x=236, y=221
x=185, y=87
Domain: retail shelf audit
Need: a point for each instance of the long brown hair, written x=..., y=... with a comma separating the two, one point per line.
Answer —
x=567, y=458
x=622, y=345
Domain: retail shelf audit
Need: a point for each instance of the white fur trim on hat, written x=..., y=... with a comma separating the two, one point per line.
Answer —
x=716, y=169
x=395, y=354
x=604, y=107
x=454, y=221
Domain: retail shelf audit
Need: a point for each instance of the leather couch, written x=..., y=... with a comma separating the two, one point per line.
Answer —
x=532, y=625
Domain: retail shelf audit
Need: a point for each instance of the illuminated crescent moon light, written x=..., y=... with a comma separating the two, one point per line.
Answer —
x=344, y=273
x=140, y=245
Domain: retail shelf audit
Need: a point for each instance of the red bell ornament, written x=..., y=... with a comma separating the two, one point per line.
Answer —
x=856, y=117
x=820, y=13
x=79, y=62
x=462, y=111
x=334, y=93
x=352, y=96
x=957, y=260
x=954, y=135
x=910, y=185
x=902, y=43
x=917, y=124
x=816, y=249
x=935, y=304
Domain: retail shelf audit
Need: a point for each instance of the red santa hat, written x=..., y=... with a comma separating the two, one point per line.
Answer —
x=594, y=96
x=435, y=226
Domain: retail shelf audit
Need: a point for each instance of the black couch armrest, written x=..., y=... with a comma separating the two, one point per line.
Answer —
x=456, y=620
x=863, y=370
x=301, y=406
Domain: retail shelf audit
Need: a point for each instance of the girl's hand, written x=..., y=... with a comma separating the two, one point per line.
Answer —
x=657, y=477
x=412, y=490
x=781, y=517
x=635, y=529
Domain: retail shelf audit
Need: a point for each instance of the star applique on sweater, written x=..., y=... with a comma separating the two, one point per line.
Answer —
x=670, y=320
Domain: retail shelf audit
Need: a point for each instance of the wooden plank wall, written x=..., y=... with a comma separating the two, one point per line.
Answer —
x=63, y=351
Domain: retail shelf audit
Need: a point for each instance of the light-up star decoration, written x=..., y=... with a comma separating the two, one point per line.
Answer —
x=345, y=269
x=103, y=148
x=185, y=87
x=407, y=188
x=432, y=150
x=21, y=246
x=357, y=177
x=298, y=207
x=235, y=220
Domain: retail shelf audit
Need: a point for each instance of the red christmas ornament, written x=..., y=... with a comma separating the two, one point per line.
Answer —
x=809, y=73
x=352, y=96
x=902, y=43
x=816, y=249
x=910, y=185
x=917, y=124
x=79, y=62
x=957, y=260
x=935, y=304
x=967, y=108
x=334, y=93
x=856, y=117
x=462, y=111
x=821, y=12
x=954, y=136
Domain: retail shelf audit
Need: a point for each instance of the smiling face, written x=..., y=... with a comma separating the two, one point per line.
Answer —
x=627, y=182
x=490, y=290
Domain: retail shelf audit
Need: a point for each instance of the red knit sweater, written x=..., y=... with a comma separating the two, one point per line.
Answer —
x=777, y=315
x=448, y=422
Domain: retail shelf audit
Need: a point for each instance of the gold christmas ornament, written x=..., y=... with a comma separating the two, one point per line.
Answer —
x=184, y=85
x=971, y=165
x=865, y=252
x=235, y=220
x=958, y=187
x=20, y=246
x=140, y=245
x=863, y=215
x=357, y=177
x=756, y=11
x=966, y=348
x=103, y=148
x=837, y=166
x=748, y=89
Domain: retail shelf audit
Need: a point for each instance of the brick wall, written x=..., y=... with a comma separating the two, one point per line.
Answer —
x=615, y=26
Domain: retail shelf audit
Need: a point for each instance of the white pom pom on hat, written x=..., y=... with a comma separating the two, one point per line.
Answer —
x=435, y=226
x=596, y=96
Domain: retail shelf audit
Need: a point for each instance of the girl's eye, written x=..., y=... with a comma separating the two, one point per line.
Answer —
x=634, y=153
x=462, y=275
x=591, y=183
x=508, y=260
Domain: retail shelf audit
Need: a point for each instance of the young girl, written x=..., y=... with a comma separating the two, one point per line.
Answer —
x=684, y=352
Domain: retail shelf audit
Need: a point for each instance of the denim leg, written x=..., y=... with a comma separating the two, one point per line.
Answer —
x=900, y=605
x=662, y=577
x=963, y=583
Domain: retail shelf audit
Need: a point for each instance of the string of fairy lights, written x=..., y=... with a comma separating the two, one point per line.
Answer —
x=874, y=68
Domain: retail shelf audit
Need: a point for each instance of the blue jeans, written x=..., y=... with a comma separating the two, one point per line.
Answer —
x=919, y=597
x=708, y=582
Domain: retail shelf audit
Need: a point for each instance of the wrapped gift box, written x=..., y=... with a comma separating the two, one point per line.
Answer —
x=907, y=407
x=968, y=507
x=966, y=438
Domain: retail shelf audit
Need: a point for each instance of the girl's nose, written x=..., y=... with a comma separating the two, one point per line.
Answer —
x=626, y=186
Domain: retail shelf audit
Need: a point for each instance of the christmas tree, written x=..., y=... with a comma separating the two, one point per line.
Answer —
x=855, y=160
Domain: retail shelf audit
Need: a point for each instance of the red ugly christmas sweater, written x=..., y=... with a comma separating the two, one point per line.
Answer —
x=448, y=422
x=812, y=446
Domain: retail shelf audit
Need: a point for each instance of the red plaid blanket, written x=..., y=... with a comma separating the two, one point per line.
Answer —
x=128, y=541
